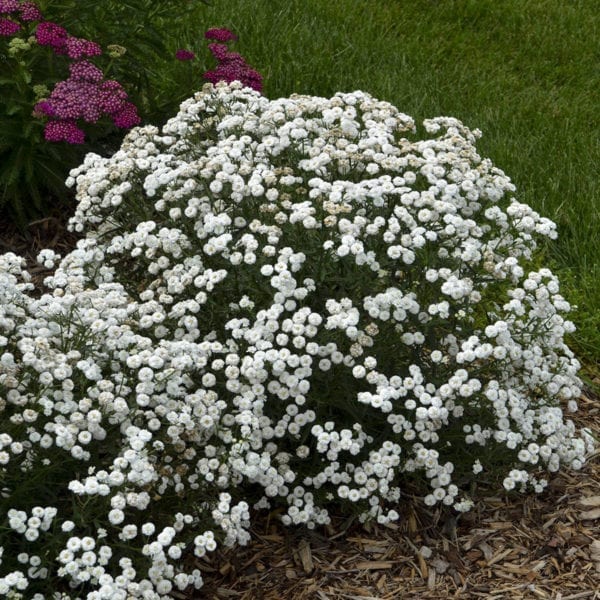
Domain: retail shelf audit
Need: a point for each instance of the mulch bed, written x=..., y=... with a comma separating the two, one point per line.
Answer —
x=543, y=546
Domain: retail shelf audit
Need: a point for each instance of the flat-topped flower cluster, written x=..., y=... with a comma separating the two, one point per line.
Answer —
x=295, y=303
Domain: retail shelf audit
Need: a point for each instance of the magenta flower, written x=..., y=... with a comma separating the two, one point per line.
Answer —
x=84, y=70
x=78, y=99
x=126, y=117
x=80, y=47
x=182, y=54
x=232, y=67
x=85, y=96
x=219, y=51
x=9, y=6
x=29, y=11
x=220, y=35
x=72, y=99
x=8, y=27
x=43, y=108
x=63, y=131
x=112, y=97
x=51, y=34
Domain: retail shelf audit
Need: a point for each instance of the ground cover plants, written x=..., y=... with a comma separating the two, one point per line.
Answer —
x=295, y=303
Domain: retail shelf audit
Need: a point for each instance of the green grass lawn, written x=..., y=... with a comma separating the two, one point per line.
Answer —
x=526, y=73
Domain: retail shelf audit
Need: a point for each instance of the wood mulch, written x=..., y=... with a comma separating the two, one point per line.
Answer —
x=535, y=547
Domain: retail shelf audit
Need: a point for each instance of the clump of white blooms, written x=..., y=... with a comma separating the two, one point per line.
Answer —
x=298, y=303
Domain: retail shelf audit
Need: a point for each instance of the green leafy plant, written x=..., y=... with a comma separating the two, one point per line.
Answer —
x=301, y=304
x=138, y=37
x=130, y=47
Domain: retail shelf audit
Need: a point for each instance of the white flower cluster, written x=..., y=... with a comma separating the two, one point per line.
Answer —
x=294, y=302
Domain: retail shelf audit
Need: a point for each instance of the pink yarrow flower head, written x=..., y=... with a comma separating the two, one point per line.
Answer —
x=8, y=27
x=44, y=107
x=63, y=131
x=80, y=47
x=126, y=117
x=51, y=34
x=220, y=35
x=9, y=6
x=182, y=54
x=72, y=99
x=219, y=51
x=84, y=95
x=232, y=67
x=84, y=70
x=29, y=11
x=112, y=96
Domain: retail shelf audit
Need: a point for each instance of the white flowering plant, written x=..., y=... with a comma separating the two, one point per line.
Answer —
x=301, y=303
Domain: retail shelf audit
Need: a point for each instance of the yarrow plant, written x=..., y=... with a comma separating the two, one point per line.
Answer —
x=85, y=95
x=231, y=66
x=56, y=91
x=57, y=117
x=296, y=303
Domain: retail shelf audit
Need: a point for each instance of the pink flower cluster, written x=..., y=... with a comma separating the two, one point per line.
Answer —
x=231, y=65
x=77, y=48
x=9, y=6
x=27, y=12
x=8, y=27
x=55, y=36
x=51, y=34
x=220, y=35
x=64, y=131
x=84, y=95
x=182, y=54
